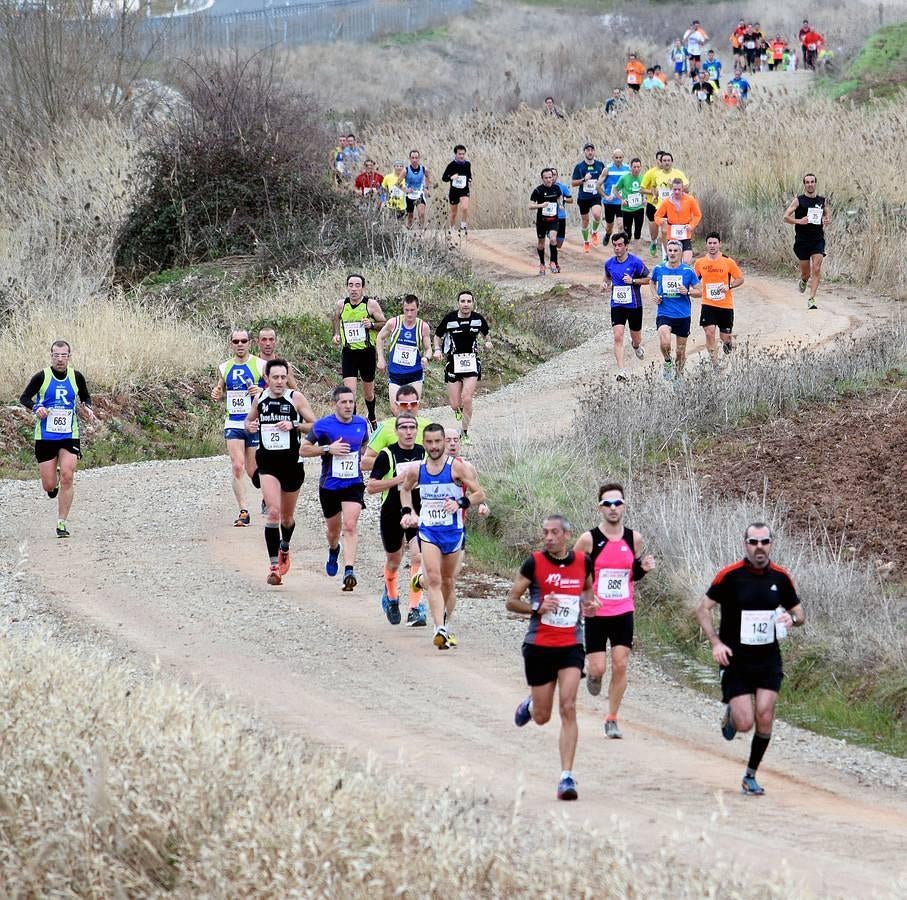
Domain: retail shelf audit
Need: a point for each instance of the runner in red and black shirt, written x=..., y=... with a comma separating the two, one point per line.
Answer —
x=758, y=603
x=559, y=582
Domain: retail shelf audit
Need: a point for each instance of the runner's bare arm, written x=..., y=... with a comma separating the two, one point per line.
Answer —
x=465, y=473
x=583, y=543
x=789, y=214
x=515, y=602
x=304, y=408
x=217, y=392
x=383, y=334
x=251, y=422
x=375, y=312
x=335, y=322
x=720, y=652
x=426, y=344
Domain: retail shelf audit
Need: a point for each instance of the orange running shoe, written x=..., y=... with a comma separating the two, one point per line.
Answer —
x=586, y=247
x=274, y=576
x=283, y=562
x=595, y=238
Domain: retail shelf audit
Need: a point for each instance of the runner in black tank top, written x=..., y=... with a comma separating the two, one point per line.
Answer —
x=808, y=213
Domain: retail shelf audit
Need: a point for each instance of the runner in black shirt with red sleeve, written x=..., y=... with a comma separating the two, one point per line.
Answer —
x=758, y=603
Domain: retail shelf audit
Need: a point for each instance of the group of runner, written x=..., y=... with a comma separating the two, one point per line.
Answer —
x=625, y=198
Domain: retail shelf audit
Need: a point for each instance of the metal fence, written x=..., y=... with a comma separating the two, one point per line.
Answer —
x=304, y=23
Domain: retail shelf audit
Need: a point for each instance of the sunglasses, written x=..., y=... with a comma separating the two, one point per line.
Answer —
x=611, y=504
x=239, y=341
x=408, y=404
x=761, y=542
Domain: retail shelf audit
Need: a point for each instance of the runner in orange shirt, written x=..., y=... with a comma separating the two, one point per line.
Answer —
x=777, y=47
x=678, y=216
x=719, y=274
x=636, y=71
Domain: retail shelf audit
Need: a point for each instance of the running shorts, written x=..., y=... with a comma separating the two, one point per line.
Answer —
x=288, y=473
x=412, y=204
x=650, y=212
x=621, y=315
x=249, y=438
x=451, y=377
x=332, y=501
x=447, y=543
x=542, y=664
x=803, y=250
x=601, y=629
x=680, y=327
x=45, y=451
x=586, y=205
x=544, y=227
x=455, y=195
x=392, y=532
x=358, y=363
x=717, y=315
x=417, y=376
x=745, y=678
x=612, y=212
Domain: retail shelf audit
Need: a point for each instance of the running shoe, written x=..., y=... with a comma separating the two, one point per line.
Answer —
x=349, y=579
x=415, y=618
x=243, y=520
x=464, y=230
x=522, y=715
x=593, y=685
x=640, y=352
x=440, y=639
x=331, y=566
x=667, y=371
x=555, y=268
x=451, y=640
x=750, y=786
x=611, y=729
x=458, y=414
x=727, y=346
x=274, y=576
x=653, y=247
x=465, y=438
x=801, y=286
x=811, y=303
x=416, y=583
x=283, y=561
x=595, y=238
x=622, y=375
x=586, y=247
x=542, y=269
x=727, y=724
x=62, y=530
x=391, y=608
x=566, y=789
x=56, y=488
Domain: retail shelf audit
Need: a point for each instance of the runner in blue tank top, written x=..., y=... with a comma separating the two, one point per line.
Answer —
x=608, y=178
x=55, y=395
x=408, y=340
x=239, y=381
x=417, y=183
x=446, y=486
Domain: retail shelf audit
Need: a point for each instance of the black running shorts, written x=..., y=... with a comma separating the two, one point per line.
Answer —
x=542, y=664
x=602, y=629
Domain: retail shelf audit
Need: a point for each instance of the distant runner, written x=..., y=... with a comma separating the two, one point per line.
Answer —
x=607, y=181
x=656, y=185
x=586, y=174
x=624, y=274
x=559, y=581
x=632, y=200
x=459, y=175
x=279, y=415
x=239, y=381
x=339, y=440
x=808, y=213
x=673, y=284
x=56, y=395
x=719, y=275
x=758, y=603
x=618, y=559
x=678, y=217
x=417, y=182
x=409, y=348
x=547, y=200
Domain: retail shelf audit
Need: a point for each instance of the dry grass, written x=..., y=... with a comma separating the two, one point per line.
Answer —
x=117, y=785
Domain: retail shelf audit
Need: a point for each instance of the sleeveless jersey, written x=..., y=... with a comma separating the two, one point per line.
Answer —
x=612, y=575
x=395, y=455
x=238, y=378
x=403, y=357
x=279, y=445
x=58, y=396
x=435, y=524
x=353, y=334
x=814, y=230
x=415, y=182
x=564, y=578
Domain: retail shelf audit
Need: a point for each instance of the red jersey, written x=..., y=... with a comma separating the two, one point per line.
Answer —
x=566, y=579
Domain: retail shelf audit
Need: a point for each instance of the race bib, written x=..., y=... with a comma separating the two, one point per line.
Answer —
x=433, y=513
x=715, y=291
x=272, y=438
x=750, y=45
x=679, y=232
x=590, y=186
x=567, y=613
x=701, y=95
x=458, y=181
x=621, y=293
x=58, y=421
x=664, y=193
x=346, y=466
x=465, y=364
x=671, y=284
x=632, y=78
x=366, y=191
x=613, y=585
x=634, y=199
x=239, y=402
x=549, y=210
x=757, y=627
x=396, y=193
x=354, y=332
x=405, y=355
x=814, y=215
x=413, y=195
x=810, y=46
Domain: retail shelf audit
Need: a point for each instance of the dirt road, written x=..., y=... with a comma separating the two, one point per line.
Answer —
x=154, y=565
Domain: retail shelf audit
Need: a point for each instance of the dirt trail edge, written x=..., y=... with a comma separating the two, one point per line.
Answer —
x=154, y=565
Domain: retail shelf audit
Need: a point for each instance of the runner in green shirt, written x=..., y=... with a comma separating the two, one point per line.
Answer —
x=632, y=201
